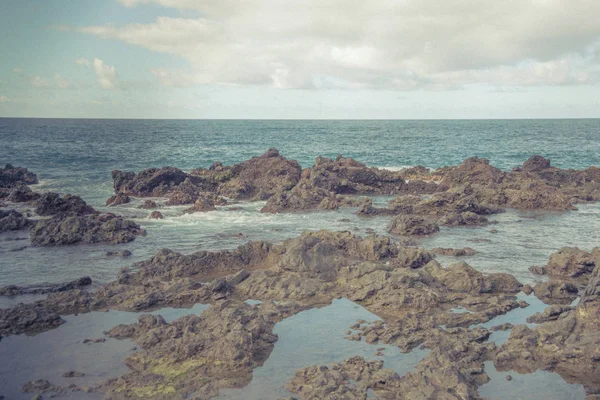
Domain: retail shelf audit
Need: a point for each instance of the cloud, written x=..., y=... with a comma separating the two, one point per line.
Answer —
x=4, y=99
x=405, y=45
x=105, y=74
x=57, y=82
x=39, y=82
x=17, y=70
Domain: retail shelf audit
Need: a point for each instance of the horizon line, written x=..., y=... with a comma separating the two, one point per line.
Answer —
x=308, y=119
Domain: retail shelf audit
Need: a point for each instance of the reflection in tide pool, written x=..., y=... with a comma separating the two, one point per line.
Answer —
x=539, y=385
x=316, y=337
x=50, y=354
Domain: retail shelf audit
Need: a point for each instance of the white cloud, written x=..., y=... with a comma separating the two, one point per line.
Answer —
x=83, y=61
x=4, y=99
x=105, y=74
x=39, y=82
x=17, y=70
x=404, y=44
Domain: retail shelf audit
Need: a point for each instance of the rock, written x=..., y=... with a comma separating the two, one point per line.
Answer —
x=156, y=215
x=551, y=313
x=22, y=193
x=509, y=378
x=202, y=204
x=12, y=176
x=503, y=327
x=13, y=290
x=13, y=221
x=467, y=251
x=121, y=253
x=51, y=204
x=64, y=229
x=412, y=225
x=556, y=292
x=304, y=196
x=527, y=289
x=118, y=200
x=536, y=269
x=571, y=262
x=149, y=205
x=536, y=163
x=463, y=219
x=27, y=318
x=73, y=374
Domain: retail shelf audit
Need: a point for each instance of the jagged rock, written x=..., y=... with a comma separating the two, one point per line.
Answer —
x=502, y=327
x=156, y=215
x=12, y=176
x=571, y=262
x=463, y=219
x=412, y=225
x=13, y=221
x=149, y=205
x=63, y=229
x=567, y=343
x=118, y=200
x=51, y=204
x=536, y=163
x=197, y=354
x=13, y=290
x=27, y=318
x=556, y=292
x=202, y=204
x=21, y=193
x=551, y=313
x=73, y=374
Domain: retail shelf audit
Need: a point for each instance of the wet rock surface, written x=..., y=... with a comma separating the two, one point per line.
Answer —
x=416, y=297
x=567, y=343
x=13, y=221
x=11, y=176
x=13, y=290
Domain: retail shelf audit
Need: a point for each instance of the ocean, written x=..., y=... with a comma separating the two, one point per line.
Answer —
x=77, y=156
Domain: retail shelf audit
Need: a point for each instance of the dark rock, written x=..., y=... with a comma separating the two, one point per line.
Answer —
x=64, y=229
x=121, y=253
x=571, y=262
x=73, y=374
x=412, y=225
x=12, y=176
x=536, y=163
x=51, y=204
x=13, y=221
x=118, y=200
x=556, y=292
x=156, y=215
x=503, y=327
x=12, y=290
x=149, y=205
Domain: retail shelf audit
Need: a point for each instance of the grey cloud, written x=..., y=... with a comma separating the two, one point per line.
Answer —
x=376, y=44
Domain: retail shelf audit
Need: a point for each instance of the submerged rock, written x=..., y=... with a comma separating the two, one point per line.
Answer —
x=118, y=200
x=156, y=215
x=467, y=251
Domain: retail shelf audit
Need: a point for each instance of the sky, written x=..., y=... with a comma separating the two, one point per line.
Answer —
x=298, y=59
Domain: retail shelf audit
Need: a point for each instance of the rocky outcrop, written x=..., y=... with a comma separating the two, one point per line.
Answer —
x=556, y=292
x=206, y=202
x=12, y=176
x=13, y=290
x=29, y=319
x=65, y=229
x=567, y=343
x=13, y=221
x=149, y=205
x=409, y=225
x=196, y=354
x=254, y=179
x=52, y=204
x=571, y=262
x=304, y=196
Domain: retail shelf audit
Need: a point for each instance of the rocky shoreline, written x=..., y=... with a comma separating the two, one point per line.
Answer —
x=391, y=276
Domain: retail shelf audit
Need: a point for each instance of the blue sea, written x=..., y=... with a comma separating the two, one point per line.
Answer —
x=77, y=156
